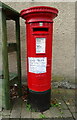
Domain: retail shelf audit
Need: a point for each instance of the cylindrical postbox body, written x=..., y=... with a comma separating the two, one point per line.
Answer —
x=39, y=30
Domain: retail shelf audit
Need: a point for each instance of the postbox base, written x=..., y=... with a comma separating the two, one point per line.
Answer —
x=39, y=101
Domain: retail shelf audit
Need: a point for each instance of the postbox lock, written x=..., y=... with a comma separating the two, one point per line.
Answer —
x=40, y=23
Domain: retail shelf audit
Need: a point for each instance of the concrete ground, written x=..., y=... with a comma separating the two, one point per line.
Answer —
x=63, y=109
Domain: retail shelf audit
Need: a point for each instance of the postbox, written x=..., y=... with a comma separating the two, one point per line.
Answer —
x=39, y=30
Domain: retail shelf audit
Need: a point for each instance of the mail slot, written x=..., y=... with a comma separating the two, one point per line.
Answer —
x=39, y=30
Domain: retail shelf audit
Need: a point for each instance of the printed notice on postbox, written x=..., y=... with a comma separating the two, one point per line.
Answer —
x=40, y=45
x=37, y=64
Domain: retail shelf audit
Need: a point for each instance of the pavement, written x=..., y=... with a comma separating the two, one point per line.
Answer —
x=62, y=108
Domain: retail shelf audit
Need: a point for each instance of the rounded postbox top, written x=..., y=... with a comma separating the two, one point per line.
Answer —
x=39, y=14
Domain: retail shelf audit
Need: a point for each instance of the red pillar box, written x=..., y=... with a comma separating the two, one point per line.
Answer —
x=39, y=30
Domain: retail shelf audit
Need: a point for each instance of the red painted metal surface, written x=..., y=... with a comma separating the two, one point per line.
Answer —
x=39, y=26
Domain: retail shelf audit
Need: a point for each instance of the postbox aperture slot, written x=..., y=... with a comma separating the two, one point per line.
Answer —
x=40, y=29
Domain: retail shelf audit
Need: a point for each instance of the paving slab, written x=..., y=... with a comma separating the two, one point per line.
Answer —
x=6, y=112
x=14, y=118
x=62, y=104
x=24, y=112
x=5, y=118
x=16, y=111
x=75, y=115
x=36, y=115
x=0, y=113
x=0, y=117
x=15, y=114
x=68, y=118
x=55, y=113
x=66, y=113
x=28, y=119
x=72, y=109
x=69, y=101
x=51, y=119
x=48, y=113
